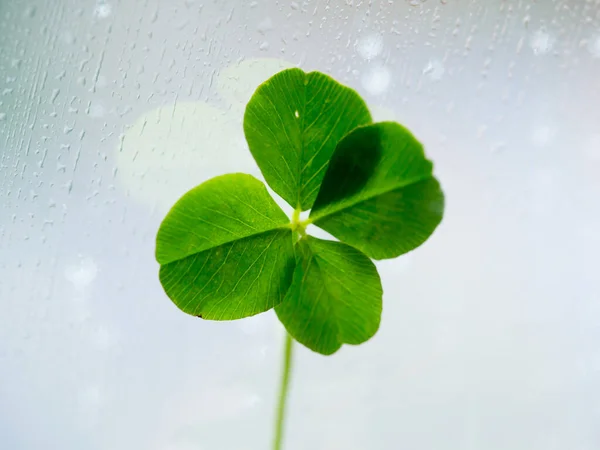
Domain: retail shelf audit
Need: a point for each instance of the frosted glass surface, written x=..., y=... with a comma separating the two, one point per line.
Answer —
x=110, y=110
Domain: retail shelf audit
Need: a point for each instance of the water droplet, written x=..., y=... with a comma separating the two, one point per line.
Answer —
x=102, y=10
x=2, y=116
x=82, y=274
x=434, y=69
x=54, y=95
x=541, y=42
x=264, y=46
x=370, y=46
x=377, y=80
x=297, y=114
x=295, y=6
x=265, y=26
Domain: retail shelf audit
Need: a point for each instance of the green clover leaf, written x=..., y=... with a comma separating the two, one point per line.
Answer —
x=293, y=123
x=335, y=297
x=379, y=194
x=226, y=250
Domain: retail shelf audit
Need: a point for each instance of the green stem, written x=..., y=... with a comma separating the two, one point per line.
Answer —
x=283, y=392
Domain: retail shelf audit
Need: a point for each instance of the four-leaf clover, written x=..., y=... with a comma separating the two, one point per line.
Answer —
x=227, y=251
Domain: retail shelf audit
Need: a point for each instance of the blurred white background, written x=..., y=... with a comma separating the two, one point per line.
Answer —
x=110, y=110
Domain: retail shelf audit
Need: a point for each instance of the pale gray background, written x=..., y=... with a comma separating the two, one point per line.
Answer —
x=110, y=110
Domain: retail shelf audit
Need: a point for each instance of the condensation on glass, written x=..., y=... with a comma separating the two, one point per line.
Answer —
x=110, y=110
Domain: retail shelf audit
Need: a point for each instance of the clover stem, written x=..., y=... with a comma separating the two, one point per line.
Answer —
x=283, y=392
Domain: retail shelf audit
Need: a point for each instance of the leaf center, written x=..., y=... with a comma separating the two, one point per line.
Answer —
x=298, y=224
